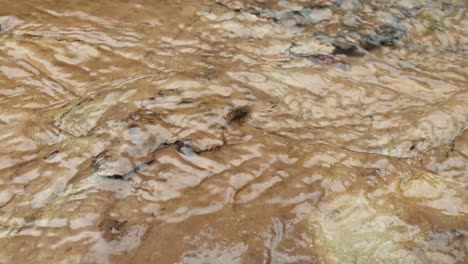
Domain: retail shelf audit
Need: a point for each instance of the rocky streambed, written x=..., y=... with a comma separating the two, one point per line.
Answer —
x=216, y=131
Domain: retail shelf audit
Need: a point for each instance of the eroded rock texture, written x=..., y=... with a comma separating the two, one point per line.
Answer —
x=216, y=131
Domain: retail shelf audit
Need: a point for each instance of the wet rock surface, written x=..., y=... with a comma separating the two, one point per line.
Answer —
x=219, y=131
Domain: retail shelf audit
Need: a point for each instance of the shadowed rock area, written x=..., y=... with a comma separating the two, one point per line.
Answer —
x=217, y=131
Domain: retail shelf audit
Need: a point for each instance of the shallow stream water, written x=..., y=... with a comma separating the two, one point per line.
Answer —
x=217, y=131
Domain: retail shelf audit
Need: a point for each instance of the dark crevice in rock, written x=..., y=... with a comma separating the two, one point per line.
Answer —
x=113, y=229
x=348, y=49
x=185, y=148
x=256, y=11
x=129, y=175
x=239, y=114
x=69, y=89
x=384, y=36
x=328, y=60
x=52, y=155
x=182, y=146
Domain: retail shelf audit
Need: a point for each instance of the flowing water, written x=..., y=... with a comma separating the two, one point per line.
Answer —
x=217, y=131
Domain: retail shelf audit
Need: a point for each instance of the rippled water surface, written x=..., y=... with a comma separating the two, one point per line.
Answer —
x=216, y=131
